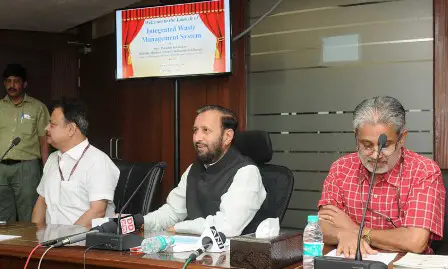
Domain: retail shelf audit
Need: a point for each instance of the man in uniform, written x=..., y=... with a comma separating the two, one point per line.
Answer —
x=26, y=117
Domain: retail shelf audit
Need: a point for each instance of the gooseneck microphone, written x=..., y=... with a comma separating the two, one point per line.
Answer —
x=14, y=143
x=124, y=238
x=382, y=140
x=162, y=165
x=325, y=262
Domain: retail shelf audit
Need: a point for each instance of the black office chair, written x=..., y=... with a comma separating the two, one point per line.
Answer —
x=440, y=247
x=277, y=180
x=131, y=175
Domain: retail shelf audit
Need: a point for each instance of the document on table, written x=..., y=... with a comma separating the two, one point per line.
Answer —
x=4, y=237
x=380, y=257
x=417, y=261
x=186, y=243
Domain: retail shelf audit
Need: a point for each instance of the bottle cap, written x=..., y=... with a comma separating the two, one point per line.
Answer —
x=313, y=219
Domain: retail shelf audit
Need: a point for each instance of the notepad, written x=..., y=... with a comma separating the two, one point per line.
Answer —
x=384, y=257
x=417, y=261
x=4, y=237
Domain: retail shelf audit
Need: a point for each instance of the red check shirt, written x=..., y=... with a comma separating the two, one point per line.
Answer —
x=413, y=198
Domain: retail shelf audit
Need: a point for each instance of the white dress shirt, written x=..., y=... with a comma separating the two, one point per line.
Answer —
x=95, y=178
x=237, y=209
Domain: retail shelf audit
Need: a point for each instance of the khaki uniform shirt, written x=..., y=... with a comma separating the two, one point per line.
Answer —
x=26, y=120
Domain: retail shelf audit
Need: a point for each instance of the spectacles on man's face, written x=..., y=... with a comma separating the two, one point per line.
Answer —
x=367, y=148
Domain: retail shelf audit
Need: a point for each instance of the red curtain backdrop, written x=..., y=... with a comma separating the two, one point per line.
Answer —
x=211, y=13
x=213, y=18
x=132, y=22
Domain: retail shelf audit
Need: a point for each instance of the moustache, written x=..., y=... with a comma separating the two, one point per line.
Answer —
x=379, y=161
x=12, y=89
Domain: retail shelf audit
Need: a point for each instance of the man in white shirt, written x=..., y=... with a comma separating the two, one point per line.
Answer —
x=79, y=180
x=222, y=188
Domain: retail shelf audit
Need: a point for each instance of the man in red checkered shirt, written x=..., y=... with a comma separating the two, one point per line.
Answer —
x=407, y=205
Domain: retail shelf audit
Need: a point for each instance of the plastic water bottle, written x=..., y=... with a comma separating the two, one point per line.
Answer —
x=157, y=244
x=312, y=242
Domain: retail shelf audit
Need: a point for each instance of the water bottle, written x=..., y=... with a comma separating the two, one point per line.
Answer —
x=157, y=244
x=312, y=242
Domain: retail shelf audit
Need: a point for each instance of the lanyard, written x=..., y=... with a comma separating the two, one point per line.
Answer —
x=74, y=167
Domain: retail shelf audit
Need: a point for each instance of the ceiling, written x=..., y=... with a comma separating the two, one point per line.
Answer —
x=54, y=15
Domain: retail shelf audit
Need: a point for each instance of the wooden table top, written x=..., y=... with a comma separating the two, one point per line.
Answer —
x=31, y=236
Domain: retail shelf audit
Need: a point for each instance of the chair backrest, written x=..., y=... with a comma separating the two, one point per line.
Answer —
x=277, y=180
x=131, y=175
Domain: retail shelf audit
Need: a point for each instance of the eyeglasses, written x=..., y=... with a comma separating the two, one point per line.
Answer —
x=385, y=151
x=386, y=217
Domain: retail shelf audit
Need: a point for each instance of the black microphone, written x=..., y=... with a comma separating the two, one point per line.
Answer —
x=342, y=263
x=382, y=140
x=108, y=227
x=207, y=244
x=121, y=241
x=14, y=143
x=125, y=185
x=54, y=241
x=130, y=223
x=162, y=165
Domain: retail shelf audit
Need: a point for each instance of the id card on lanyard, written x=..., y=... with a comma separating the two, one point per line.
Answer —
x=74, y=167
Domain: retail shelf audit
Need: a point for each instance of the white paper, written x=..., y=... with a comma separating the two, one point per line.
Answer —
x=268, y=228
x=380, y=257
x=185, y=243
x=412, y=260
x=4, y=237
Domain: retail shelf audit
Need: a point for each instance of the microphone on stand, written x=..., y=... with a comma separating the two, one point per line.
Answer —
x=162, y=165
x=325, y=262
x=382, y=140
x=123, y=239
x=14, y=143
x=132, y=223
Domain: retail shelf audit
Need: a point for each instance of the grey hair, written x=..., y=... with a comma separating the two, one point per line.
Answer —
x=380, y=110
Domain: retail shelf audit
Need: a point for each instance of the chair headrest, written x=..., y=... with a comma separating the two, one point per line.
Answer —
x=255, y=145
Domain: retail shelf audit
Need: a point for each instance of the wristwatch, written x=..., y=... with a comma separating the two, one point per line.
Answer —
x=366, y=235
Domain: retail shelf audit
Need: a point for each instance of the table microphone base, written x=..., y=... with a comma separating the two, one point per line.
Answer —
x=110, y=241
x=326, y=262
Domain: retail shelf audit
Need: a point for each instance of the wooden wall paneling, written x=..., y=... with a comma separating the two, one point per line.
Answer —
x=65, y=73
x=227, y=91
x=39, y=70
x=50, y=62
x=100, y=92
x=167, y=142
x=441, y=83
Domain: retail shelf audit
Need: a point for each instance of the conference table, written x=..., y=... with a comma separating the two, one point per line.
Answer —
x=14, y=252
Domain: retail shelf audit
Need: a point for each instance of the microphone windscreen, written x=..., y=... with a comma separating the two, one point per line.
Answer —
x=16, y=141
x=382, y=140
x=108, y=227
x=138, y=220
x=206, y=240
x=207, y=243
